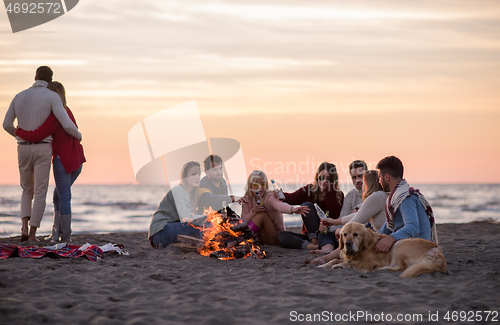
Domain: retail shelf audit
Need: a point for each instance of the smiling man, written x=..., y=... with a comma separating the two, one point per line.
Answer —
x=213, y=189
x=353, y=198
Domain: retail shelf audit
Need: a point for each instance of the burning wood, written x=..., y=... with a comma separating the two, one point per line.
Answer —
x=228, y=238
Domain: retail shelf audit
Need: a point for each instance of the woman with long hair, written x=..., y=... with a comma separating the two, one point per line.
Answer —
x=68, y=157
x=263, y=211
x=372, y=210
x=325, y=192
x=176, y=209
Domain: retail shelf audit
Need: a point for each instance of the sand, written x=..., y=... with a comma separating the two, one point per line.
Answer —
x=167, y=286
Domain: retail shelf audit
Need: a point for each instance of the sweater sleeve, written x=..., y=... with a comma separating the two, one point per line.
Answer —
x=246, y=209
x=10, y=116
x=408, y=209
x=47, y=128
x=298, y=197
x=369, y=209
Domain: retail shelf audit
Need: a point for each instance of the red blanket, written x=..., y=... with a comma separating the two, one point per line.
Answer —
x=93, y=252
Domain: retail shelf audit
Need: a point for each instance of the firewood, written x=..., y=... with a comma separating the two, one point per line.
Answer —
x=189, y=240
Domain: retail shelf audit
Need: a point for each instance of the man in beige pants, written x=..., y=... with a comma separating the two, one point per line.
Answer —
x=31, y=107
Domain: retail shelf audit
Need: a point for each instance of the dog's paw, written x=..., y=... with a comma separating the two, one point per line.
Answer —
x=338, y=266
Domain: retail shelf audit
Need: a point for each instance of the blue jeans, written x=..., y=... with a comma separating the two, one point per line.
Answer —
x=169, y=234
x=329, y=238
x=62, y=192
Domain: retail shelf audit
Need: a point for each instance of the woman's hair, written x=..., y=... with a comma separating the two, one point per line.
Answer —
x=57, y=87
x=252, y=178
x=370, y=180
x=333, y=177
x=193, y=196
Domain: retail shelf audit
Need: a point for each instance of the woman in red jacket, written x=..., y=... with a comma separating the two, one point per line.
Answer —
x=326, y=194
x=67, y=154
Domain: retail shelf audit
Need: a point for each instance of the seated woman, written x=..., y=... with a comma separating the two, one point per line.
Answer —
x=372, y=210
x=263, y=211
x=176, y=209
x=324, y=192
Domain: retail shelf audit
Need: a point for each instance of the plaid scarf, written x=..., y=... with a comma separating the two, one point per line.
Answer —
x=397, y=196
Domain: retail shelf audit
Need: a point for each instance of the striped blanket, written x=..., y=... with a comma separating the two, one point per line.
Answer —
x=397, y=196
x=92, y=252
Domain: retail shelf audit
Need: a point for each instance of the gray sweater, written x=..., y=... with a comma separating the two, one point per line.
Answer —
x=32, y=106
x=174, y=207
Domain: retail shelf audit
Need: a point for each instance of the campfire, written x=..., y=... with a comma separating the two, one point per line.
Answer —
x=227, y=237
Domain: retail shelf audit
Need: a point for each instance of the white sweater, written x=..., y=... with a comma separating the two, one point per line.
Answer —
x=352, y=199
x=32, y=106
x=372, y=209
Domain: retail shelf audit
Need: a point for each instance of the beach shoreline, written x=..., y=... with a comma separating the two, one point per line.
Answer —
x=169, y=286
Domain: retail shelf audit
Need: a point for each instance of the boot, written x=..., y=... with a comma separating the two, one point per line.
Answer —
x=65, y=222
x=54, y=237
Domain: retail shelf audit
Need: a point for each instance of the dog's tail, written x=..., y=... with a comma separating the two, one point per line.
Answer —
x=434, y=261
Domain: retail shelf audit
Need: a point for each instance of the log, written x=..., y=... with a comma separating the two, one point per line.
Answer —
x=189, y=239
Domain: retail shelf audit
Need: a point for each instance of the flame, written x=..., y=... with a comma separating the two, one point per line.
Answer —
x=217, y=234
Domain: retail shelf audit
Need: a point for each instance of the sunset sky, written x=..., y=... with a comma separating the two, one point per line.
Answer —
x=293, y=81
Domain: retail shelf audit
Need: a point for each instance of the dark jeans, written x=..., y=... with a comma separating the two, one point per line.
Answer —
x=169, y=234
x=290, y=239
x=311, y=220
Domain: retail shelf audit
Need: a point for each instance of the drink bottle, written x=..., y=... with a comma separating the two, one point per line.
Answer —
x=277, y=190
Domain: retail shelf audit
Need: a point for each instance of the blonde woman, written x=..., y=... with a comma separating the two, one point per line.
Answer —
x=263, y=211
x=372, y=209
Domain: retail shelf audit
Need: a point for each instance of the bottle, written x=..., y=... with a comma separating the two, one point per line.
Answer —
x=224, y=210
x=277, y=190
x=322, y=216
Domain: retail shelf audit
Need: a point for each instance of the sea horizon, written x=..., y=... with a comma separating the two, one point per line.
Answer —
x=107, y=208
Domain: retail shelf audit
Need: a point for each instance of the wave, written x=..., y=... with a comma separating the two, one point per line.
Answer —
x=125, y=205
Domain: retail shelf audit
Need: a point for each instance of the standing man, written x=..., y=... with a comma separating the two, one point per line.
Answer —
x=408, y=213
x=353, y=198
x=213, y=187
x=31, y=107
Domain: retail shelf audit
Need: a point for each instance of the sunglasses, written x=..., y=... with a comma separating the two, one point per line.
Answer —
x=256, y=186
x=322, y=178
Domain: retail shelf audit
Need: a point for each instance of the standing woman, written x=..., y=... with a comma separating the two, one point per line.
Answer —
x=67, y=158
x=325, y=192
x=176, y=208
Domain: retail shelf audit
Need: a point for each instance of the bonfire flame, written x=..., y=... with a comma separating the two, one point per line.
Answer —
x=228, y=238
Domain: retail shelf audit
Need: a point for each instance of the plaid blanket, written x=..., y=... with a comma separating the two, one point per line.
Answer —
x=92, y=252
x=397, y=196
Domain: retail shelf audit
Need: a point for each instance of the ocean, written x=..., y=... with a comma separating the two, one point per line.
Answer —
x=128, y=208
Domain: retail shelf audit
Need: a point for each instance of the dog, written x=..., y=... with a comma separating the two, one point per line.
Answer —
x=414, y=256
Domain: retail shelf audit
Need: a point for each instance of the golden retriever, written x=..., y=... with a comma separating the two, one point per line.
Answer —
x=415, y=255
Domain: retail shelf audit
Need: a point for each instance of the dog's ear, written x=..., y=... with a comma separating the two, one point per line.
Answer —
x=370, y=238
x=341, y=240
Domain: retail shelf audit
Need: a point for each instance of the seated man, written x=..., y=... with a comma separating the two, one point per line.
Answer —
x=213, y=187
x=353, y=197
x=408, y=213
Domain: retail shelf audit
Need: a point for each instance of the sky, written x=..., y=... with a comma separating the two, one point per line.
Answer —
x=295, y=82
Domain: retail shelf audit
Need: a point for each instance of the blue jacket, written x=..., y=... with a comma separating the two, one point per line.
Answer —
x=410, y=221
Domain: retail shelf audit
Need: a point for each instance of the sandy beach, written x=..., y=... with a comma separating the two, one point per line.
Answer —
x=167, y=286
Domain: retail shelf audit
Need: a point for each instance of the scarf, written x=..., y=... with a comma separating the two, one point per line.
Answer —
x=394, y=200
